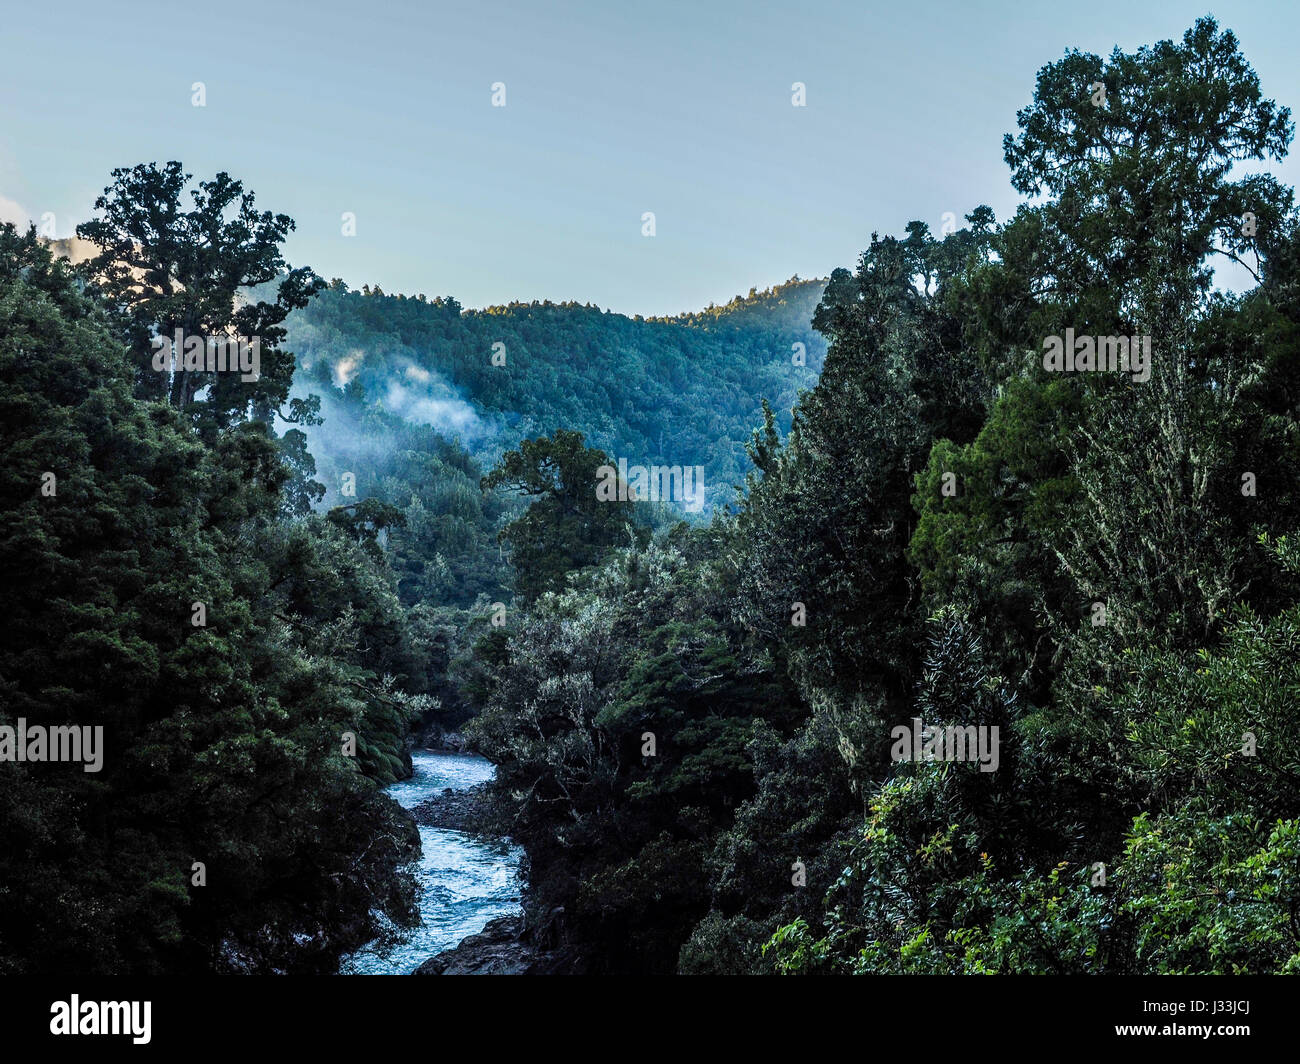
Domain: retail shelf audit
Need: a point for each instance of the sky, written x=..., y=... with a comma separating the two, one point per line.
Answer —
x=385, y=110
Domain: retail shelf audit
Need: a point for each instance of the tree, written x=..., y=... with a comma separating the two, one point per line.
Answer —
x=222, y=741
x=168, y=269
x=1141, y=179
x=566, y=526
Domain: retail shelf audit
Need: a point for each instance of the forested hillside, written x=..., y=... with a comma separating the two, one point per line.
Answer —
x=670, y=391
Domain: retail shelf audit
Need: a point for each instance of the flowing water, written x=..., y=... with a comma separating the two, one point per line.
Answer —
x=464, y=881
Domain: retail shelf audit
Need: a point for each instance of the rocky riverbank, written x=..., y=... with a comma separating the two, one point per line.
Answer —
x=503, y=947
x=455, y=810
x=440, y=740
x=499, y=949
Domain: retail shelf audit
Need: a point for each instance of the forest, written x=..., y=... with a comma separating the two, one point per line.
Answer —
x=927, y=511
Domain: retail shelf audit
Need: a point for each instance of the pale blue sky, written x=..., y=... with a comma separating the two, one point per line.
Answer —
x=680, y=108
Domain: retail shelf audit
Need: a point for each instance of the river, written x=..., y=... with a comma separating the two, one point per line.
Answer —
x=464, y=882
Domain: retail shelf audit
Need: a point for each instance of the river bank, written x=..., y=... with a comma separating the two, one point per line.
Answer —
x=455, y=810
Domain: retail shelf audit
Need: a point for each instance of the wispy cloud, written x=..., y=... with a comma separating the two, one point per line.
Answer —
x=436, y=406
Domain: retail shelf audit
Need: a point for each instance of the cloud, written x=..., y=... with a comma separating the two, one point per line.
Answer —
x=11, y=211
x=346, y=368
x=449, y=414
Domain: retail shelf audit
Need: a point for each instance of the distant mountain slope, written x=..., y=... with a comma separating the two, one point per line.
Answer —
x=684, y=390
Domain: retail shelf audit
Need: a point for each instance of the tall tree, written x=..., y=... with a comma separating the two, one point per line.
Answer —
x=168, y=269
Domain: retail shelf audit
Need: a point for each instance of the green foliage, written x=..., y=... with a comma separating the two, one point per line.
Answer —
x=222, y=743
x=567, y=526
x=857, y=441
x=1076, y=560
x=617, y=838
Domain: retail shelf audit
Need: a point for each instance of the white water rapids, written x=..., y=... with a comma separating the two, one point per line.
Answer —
x=464, y=881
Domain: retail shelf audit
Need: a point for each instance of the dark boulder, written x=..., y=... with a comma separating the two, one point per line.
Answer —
x=496, y=950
